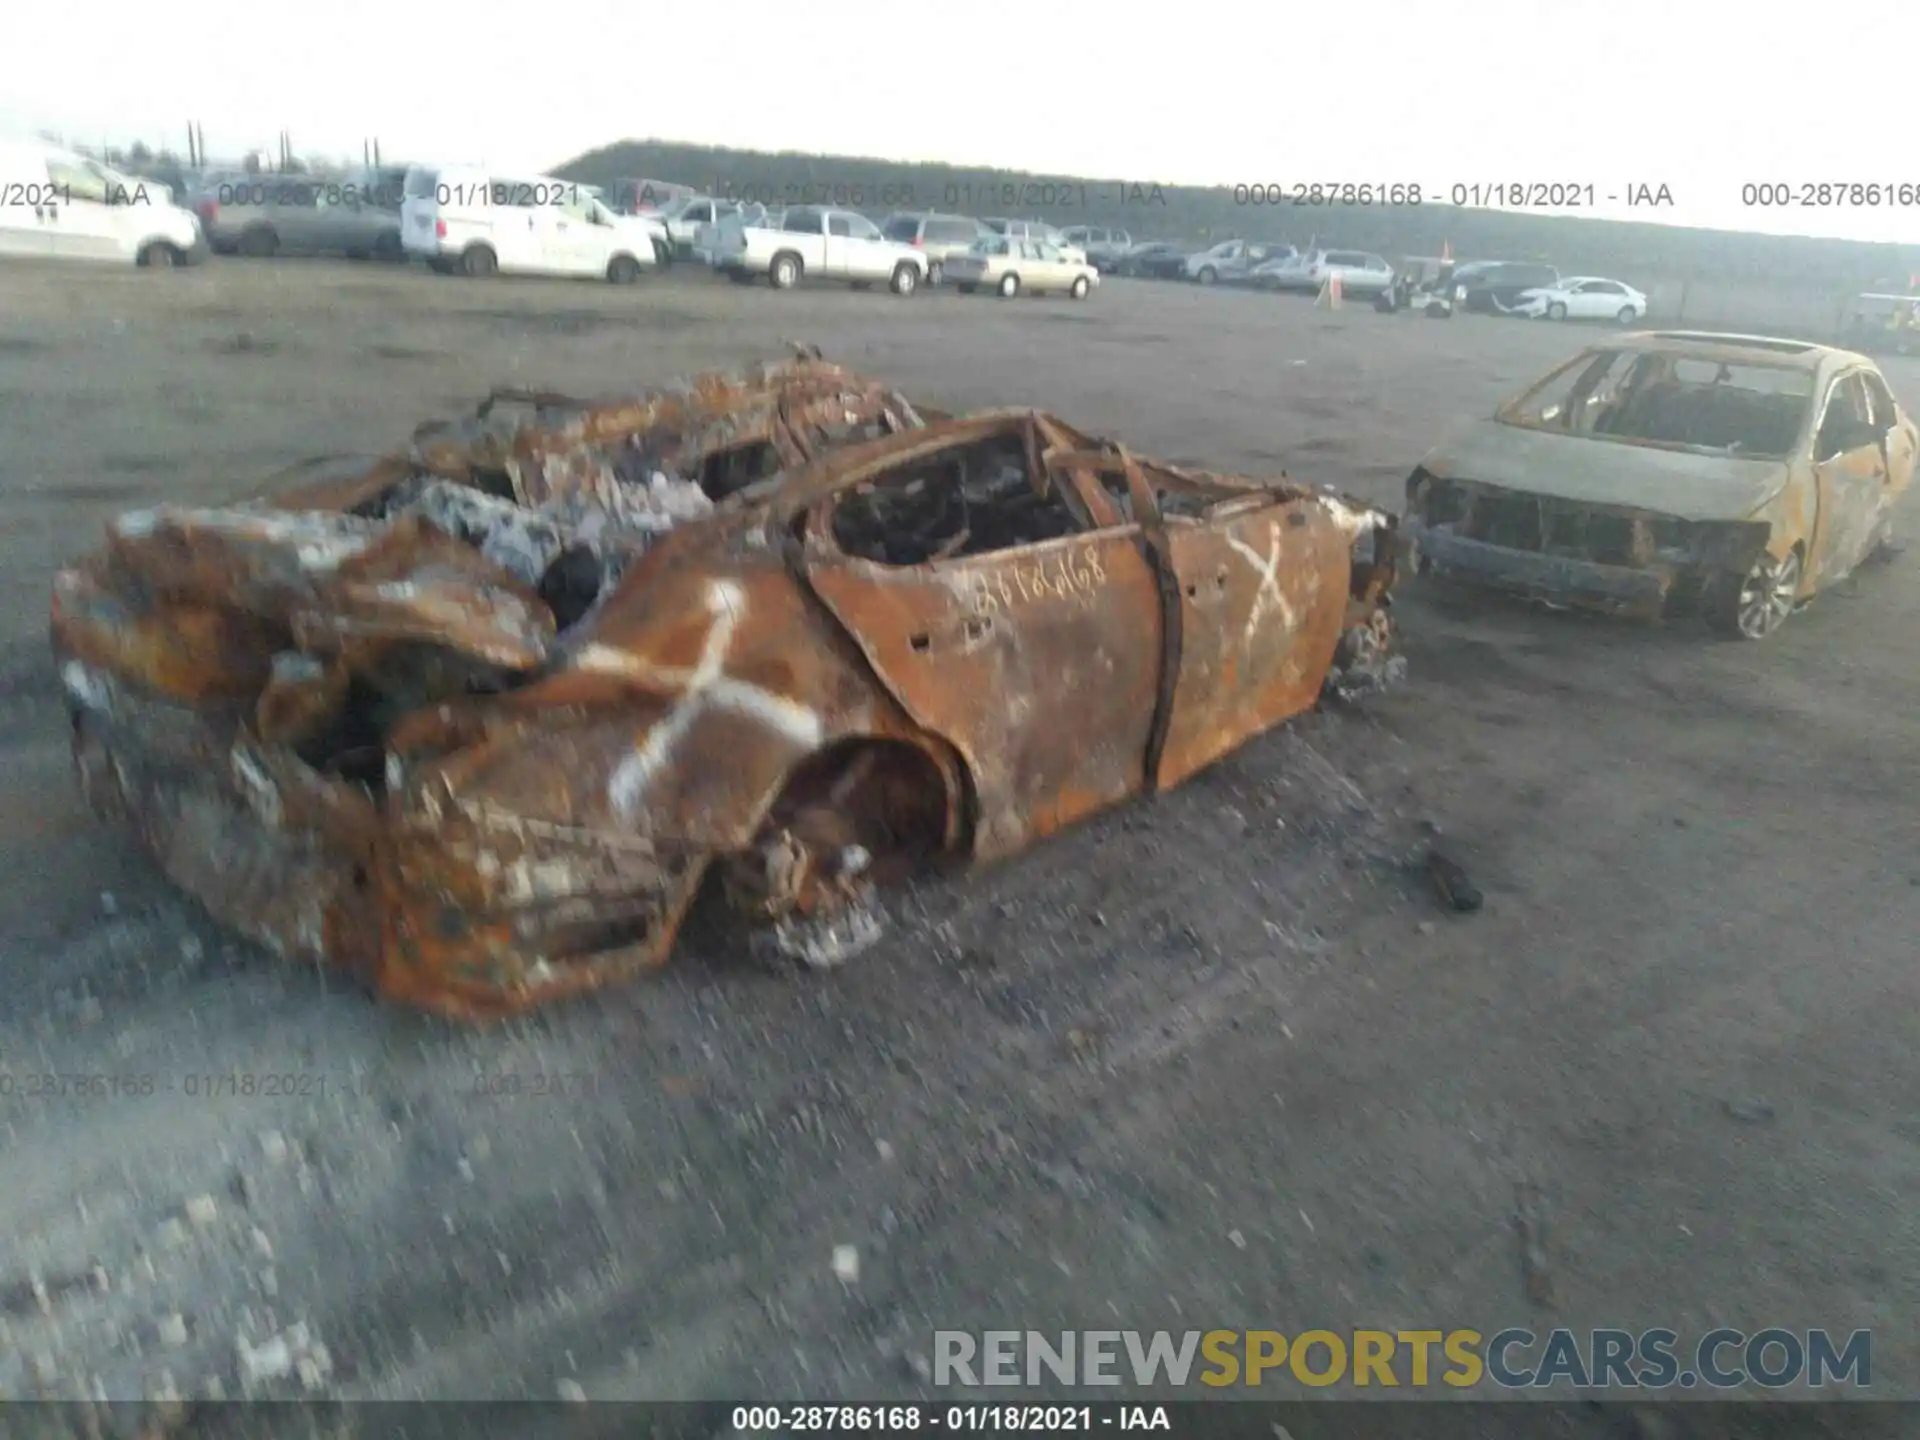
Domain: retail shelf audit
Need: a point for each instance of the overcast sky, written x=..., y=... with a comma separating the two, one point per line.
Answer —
x=1701, y=97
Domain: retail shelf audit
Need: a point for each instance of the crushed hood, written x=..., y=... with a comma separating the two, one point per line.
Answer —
x=1682, y=484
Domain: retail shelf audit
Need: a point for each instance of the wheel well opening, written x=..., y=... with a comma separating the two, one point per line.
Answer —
x=888, y=796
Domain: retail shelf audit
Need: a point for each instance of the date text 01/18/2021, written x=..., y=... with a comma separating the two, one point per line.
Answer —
x=1496, y=194
x=915, y=1417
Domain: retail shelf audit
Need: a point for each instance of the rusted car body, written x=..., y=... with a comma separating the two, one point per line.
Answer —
x=1732, y=475
x=352, y=726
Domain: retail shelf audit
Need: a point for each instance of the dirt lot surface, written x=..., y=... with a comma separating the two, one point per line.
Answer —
x=1219, y=1060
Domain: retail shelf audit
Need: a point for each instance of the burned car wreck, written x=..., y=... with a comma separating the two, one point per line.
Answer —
x=1669, y=472
x=479, y=721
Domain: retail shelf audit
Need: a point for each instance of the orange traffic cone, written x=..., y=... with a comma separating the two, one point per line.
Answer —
x=1329, y=295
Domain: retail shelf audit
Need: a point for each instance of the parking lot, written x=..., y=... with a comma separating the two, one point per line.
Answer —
x=1217, y=1060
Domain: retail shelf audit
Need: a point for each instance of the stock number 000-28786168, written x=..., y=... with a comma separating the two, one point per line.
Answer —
x=1338, y=193
x=1822, y=194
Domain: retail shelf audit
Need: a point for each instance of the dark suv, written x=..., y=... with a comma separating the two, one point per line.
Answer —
x=1489, y=287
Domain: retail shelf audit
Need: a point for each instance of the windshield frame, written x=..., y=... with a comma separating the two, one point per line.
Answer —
x=1571, y=377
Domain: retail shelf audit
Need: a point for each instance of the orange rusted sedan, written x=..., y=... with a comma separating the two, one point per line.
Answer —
x=483, y=748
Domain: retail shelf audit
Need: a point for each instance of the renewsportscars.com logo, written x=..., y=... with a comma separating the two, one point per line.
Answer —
x=1512, y=1359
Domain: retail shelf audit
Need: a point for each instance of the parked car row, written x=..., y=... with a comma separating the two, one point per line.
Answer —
x=748, y=242
x=1434, y=287
x=1521, y=289
x=478, y=222
x=909, y=251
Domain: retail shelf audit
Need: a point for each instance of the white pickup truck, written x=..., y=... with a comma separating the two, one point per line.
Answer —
x=821, y=244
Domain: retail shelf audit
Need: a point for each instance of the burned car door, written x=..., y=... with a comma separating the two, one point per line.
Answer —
x=1005, y=617
x=1263, y=584
x=1850, y=478
x=1900, y=442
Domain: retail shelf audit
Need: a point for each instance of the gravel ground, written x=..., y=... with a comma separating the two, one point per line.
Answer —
x=1215, y=1061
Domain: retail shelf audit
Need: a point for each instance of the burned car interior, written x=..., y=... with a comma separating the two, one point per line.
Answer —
x=977, y=501
x=1017, y=490
x=1663, y=399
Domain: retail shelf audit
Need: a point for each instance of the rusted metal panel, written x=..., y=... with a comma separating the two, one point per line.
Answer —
x=1852, y=493
x=376, y=727
x=1040, y=669
x=182, y=649
x=1263, y=599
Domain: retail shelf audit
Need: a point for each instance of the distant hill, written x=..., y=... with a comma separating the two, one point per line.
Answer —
x=1641, y=252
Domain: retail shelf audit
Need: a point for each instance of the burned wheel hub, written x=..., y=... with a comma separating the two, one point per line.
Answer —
x=1767, y=595
x=1365, y=660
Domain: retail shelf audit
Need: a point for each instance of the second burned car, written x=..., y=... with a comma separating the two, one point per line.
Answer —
x=417, y=723
x=1733, y=475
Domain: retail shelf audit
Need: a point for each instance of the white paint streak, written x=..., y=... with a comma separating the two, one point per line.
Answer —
x=1350, y=520
x=87, y=687
x=705, y=687
x=1269, y=596
x=262, y=793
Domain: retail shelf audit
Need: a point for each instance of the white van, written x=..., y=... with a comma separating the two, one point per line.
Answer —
x=480, y=222
x=57, y=205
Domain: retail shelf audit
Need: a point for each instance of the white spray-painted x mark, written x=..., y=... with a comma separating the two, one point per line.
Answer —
x=706, y=686
x=1269, y=596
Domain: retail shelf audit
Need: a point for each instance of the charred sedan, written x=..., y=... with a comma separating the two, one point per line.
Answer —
x=478, y=722
x=1733, y=475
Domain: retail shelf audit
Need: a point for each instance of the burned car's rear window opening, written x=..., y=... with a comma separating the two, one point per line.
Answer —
x=972, y=502
x=1657, y=398
x=479, y=719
